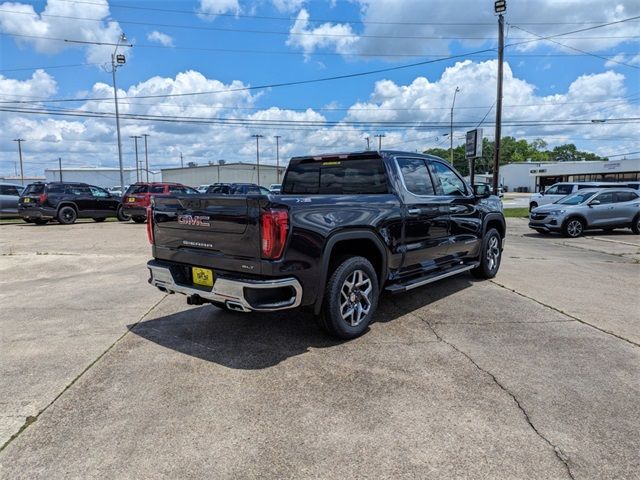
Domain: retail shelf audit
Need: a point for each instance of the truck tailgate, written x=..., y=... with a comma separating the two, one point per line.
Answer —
x=217, y=231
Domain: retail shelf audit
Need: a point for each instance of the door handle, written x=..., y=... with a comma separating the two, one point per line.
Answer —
x=414, y=211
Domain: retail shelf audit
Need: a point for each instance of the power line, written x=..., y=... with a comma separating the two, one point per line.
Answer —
x=319, y=20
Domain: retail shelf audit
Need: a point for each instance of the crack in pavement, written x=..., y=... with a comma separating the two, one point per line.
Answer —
x=506, y=322
x=33, y=418
x=584, y=322
x=556, y=450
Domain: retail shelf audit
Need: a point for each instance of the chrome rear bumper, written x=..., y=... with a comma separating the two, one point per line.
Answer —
x=235, y=294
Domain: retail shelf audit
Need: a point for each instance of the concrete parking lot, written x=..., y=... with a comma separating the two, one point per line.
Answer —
x=533, y=375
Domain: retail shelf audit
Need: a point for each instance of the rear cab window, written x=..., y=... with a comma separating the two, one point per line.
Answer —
x=337, y=177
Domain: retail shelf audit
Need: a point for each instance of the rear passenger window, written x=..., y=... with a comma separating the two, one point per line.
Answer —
x=626, y=196
x=416, y=176
x=339, y=177
x=157, y=189
x=56, y=189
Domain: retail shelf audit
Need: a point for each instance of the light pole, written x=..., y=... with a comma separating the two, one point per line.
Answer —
x=380, y=136
x=117, y=61
x=368, y=143
x=451, y=129
x=258, y=137
x=278, y=137
x=60, y=167
x=20, y=140
x=181, y=161
x=135, y=140
x=146, y=156
x=500, y=6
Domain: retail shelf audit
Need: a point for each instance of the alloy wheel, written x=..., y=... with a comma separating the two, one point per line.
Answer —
x=574, y=228
x=355, y=297
x=493, y=253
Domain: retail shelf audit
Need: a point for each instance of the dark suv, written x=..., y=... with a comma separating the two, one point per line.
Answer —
x=66, y=202
x=138, y=197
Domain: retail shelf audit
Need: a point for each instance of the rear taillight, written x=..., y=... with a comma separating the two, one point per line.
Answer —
x=150, y=236
x=274, y=226
x=42, y=198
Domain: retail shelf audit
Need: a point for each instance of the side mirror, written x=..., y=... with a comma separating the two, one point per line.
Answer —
x=482, y=190
x=594, y=202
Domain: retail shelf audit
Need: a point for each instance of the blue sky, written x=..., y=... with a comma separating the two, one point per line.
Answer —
x=212, y=45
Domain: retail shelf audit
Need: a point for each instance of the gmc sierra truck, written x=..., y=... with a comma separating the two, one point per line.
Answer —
x=344, y=228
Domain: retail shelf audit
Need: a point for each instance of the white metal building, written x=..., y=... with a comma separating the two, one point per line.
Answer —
x=533, y=176
x=17, y=180
x=100, y=176
x=226, y=173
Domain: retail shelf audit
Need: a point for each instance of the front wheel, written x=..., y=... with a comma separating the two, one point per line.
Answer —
x=635, y=226
x=122, y=217
x=350, y=299
x=490, y=255
x=67, y=215
x=573, y=228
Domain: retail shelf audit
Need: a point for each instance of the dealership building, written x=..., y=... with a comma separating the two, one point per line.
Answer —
x=238, y=172
x=99, y=176
x=536, y=176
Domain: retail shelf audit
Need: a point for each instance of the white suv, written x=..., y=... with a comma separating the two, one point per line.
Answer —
x=560, y=190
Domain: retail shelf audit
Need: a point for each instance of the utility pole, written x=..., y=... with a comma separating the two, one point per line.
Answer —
x=20, y=140
x=500, y=6
x=181, y=161
x=380, y=136
x=451, y=130
x=258, y=137
x=60, y=167
x=278, y=158
x=368, y=143
x=146, y=156
x=138, y=176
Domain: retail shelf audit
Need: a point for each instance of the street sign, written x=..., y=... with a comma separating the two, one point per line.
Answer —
x=120, y=59
x=473, y=145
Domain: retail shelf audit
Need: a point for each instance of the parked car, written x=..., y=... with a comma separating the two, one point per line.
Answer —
x=345, y=228
x=117, y=190
x=604, y=208
x=562, y=189
x=9, y=195
x=500, y=189
x=238, y=189
x=138, y=197
x=66, y=202
x=202, y=188
x=275, y=188
x=634, y=185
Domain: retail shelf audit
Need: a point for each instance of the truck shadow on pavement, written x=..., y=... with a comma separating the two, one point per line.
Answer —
x=261, y=340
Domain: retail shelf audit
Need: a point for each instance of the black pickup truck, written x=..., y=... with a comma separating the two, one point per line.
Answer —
x=344, y=228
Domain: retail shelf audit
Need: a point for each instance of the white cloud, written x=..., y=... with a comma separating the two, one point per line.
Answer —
x=22, y=19
x=161, y=38
x=288, y=5
x=216, y=7
x=40, y=85
x=337, y=36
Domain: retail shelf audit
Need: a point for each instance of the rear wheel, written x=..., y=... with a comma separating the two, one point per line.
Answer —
x=635, y=226
x=122, y=217
x=67, y=215
x=350, y=299
x=139, y=219
x=573, y=228
x=101, y=219
x=490, y=255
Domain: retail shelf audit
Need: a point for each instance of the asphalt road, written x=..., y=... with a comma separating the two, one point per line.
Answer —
x=533, y=375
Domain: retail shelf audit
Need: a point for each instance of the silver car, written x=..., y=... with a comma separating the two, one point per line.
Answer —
x=9, y=196
x=589, y=209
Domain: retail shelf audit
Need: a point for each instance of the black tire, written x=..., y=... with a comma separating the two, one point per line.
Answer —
x=101, y=219
x=139, y=219
x=490, y=255
x=122, y=217
x=40, y=221
x=533, y=205
x=573, y=227
x=67, y=215
x=635, y=226
x=352, y=287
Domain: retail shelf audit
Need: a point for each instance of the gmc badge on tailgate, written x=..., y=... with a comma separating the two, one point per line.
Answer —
x=194, y=220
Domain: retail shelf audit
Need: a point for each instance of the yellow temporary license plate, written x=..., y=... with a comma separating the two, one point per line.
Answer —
x=131, y=200
x=27, y=200
x=202, y=276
